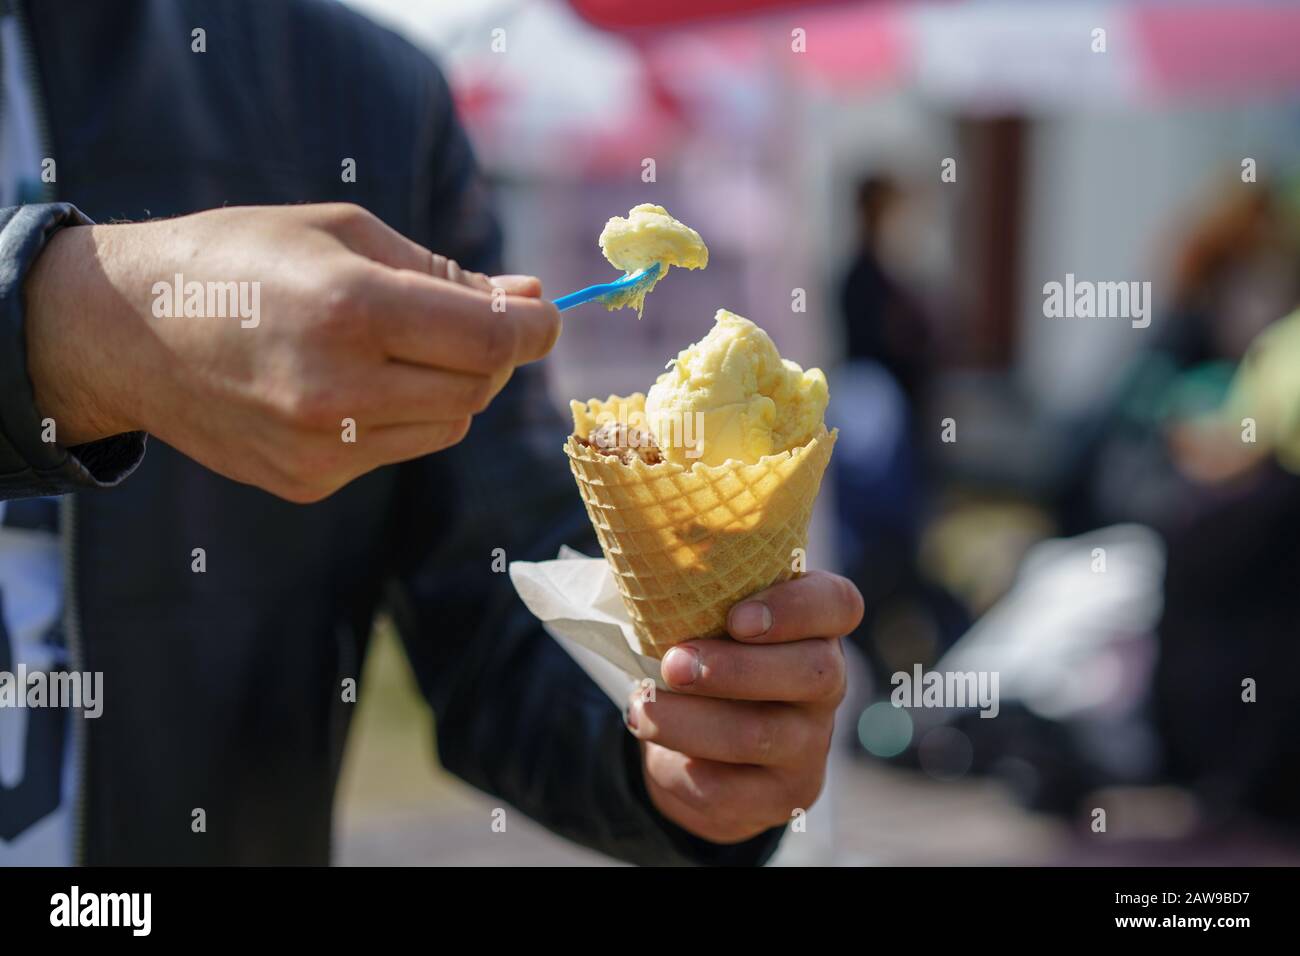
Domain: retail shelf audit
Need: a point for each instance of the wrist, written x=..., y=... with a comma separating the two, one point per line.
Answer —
x=76, y=326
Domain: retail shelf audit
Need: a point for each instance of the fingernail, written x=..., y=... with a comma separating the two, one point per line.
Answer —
x=750, y=619
x=633, y=714
x=682, y=666
x=512, y=281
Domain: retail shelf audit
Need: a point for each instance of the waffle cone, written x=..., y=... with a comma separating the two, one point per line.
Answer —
x=686, y=543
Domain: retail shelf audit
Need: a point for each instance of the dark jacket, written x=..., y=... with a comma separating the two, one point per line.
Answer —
x=223, y=689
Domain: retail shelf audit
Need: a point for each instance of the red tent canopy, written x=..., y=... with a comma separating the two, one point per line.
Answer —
x=628, y=14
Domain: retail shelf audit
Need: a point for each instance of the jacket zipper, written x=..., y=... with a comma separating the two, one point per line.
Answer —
x=48, y=190
x=76, y=658
x=68, y=503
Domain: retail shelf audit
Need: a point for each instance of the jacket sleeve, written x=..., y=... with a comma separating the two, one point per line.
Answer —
x=29, y=465
x=515, y=716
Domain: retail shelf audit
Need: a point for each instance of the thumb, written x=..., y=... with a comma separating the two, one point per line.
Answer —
x=530, y=286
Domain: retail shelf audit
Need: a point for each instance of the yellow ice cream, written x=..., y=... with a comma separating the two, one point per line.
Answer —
x=648, y=236
x=731, y=395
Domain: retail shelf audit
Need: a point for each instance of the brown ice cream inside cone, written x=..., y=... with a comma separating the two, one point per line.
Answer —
x=622, y=441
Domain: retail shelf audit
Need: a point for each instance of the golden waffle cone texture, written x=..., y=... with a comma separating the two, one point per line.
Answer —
x=686, y=543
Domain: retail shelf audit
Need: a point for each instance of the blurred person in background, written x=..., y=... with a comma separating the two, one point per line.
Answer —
x=878, y=467
x=882, y=323
x=1236, y=271
x=1232, y=604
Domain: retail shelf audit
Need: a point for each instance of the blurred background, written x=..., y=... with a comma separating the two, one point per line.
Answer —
x=886, y=188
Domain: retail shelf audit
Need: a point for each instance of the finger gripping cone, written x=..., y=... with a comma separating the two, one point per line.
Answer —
x=687, y=543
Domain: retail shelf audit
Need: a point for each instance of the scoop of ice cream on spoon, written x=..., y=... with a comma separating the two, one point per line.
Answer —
x=644, y=244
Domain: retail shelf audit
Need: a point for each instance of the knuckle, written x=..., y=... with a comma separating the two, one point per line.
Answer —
x=791, y=604
x=648, y=728
x=345, y=217
x=497, y=341
x=760, y=735
x=423, y=261
x=295, y=477
x=825, y=735
x=825, y=666
x=815, y=739
x=343, y=300
x=543, y=323
x=498, y=381
x=303, y=492
x=331, y=460
x=461, y=429
x=803, y=789
x=478, y=394
x=478, y=280
x=848, y=596
x=320, y=463
x=721, y=667
x=728, y=831
x=347, y=317
x=310, y=407
x=453, y=433
x=709, y=790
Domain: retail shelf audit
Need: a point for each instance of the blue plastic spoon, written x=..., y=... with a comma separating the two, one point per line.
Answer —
x=620, y=288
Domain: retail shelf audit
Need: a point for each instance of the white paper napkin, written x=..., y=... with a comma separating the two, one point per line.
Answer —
x=576, y=599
